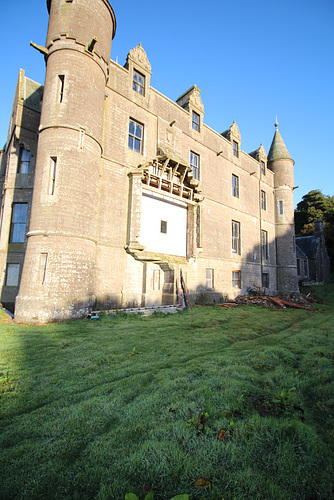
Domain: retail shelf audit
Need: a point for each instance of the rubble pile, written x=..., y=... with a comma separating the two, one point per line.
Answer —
x=298, y=301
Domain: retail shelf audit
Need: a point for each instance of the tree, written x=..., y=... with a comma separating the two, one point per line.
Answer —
x=315, y=205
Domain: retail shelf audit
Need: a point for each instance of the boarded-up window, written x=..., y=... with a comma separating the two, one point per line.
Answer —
x=209, y=278
x=12, y=274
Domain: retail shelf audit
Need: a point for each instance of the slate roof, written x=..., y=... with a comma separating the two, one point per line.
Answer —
x=278, y=150
x=307, y=245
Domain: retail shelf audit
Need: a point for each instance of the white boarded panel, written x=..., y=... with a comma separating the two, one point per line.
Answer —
x=174, y=214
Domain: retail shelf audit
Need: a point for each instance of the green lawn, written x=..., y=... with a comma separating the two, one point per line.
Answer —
x=99, y=408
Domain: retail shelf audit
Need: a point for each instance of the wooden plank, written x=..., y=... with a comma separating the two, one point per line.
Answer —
x=185, y=290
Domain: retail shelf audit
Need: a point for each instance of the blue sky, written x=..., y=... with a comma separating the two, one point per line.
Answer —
x=252, y=60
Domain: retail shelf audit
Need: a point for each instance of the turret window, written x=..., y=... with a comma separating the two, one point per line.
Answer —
x=280, y=203
x=53, y=169
x=61, y=86
x=138, y=83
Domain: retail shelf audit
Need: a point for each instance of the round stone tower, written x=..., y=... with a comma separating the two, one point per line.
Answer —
x=281, y=163
x=58, y=274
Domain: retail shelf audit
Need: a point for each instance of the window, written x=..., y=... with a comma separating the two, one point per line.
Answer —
x=53, y=168
x=156, y=279
x=264, y=244
x=61, y=85
x=280, y=207
x=236, y=237
x=23, y=165
x=236, y=279
x=163, y=227
x=81, y=139
x=19, y=220
x=298, y=267
x=136, y=136
x=305, y=268
x=209, y=278
x=265, y=280
x=235, y=149
x=194, y=163
x=235, y=186
x=263, y=200
x=138, y=83
x=12, y=274
x=195, y=121
x=263, y=168
x=43, y=260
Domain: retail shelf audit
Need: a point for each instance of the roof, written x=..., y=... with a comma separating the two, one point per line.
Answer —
x=307, y=245
x=278, y=150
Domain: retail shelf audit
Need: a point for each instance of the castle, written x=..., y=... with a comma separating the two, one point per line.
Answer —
x=110, y=189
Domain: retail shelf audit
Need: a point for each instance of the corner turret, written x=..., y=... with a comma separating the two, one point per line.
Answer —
x=281, y=163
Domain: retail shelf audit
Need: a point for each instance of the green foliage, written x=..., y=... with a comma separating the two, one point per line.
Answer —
x=315, y=205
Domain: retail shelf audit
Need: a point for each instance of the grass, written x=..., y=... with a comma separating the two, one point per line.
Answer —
x=215, y=403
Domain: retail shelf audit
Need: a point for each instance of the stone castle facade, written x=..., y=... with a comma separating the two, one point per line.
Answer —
x=110, y=189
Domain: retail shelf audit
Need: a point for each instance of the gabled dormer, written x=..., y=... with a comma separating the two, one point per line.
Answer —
x=260, y=156
x=234, y=136
x=192, y=102
x=139, y=68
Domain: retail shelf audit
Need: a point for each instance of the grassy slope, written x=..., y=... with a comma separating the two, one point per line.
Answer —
x=100, y=408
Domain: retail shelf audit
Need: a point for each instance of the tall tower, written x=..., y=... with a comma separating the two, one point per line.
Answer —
x=281, y=163
x=58, y=273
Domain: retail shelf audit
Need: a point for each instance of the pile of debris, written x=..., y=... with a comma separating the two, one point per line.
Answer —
x=298, y=301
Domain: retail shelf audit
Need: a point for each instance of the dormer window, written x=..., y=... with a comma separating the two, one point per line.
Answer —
x=138, y=83
x=235, y=149
x=196, y=121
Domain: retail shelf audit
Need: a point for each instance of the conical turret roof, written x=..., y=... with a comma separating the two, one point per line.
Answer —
x=278, y=150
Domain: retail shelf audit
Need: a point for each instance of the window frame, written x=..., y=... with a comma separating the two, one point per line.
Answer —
x=23, y=164
x=264, y=245
x=137, y=85
x=61, y=88
x=53, y=172
x=263, y=200
x=209, y=278
x=236, y=238
x=265, y=280
x=136, y=139
x=236, y=279
x=163, y=227
x=235, y=187
x=14, y=224
x=263, y=167
x=17, y=265
x=280, y=207
x=196, y=121
x=195, y=166
x=235, y=148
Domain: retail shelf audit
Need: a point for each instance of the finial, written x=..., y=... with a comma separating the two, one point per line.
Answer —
x=140, y=46
x=276, y=124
